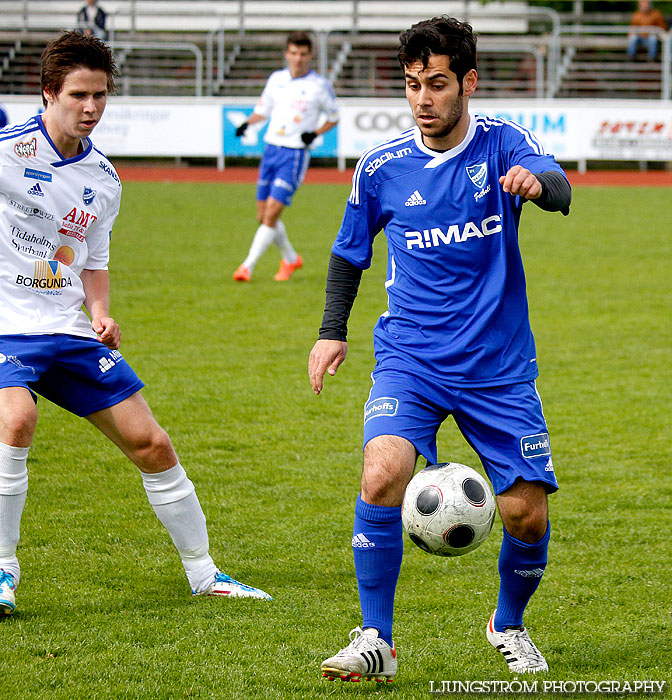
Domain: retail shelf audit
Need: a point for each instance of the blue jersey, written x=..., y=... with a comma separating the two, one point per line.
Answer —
x=456, y=287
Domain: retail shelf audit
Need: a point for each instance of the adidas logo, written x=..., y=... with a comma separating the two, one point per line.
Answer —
x=36, y=190
x=105, y=363
x=361, y=542
x=415, y=200
x=534, y=573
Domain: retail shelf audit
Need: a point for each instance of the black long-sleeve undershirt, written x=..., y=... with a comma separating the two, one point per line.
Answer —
x=343, y=280
x=556, y=193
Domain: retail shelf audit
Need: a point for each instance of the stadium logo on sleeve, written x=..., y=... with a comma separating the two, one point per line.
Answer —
x=384, y=406
x=478, y=174
x=89, y=195
x=381, y=160
x=535, y=445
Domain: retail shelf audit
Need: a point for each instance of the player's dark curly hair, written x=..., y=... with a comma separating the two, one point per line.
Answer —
x=443, y=36
x=70, y=51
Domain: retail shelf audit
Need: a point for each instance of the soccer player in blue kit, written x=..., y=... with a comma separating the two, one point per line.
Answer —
x=456, y=337
x=59, y=198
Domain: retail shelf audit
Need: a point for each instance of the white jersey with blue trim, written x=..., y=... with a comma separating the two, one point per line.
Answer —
x=295, y=105
x=56, y=218
x=455, y=282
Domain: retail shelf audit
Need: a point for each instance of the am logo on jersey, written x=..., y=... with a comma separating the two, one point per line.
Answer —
x=75, y=223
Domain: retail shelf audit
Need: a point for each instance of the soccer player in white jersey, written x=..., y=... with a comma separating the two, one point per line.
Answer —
x=294, y=100
x=456, y=337
x=59, y=197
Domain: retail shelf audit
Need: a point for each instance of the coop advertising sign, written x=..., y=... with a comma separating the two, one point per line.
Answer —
x=627, y=130
x=598, y=130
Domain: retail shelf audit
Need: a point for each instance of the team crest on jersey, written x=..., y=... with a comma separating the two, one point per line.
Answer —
x=478, y=174
x=89, y=195
x=27, y=149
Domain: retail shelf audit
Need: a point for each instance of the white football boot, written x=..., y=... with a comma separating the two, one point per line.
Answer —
x=367, y=656
x=517, y=648
x=224, y=585
x=7, y=593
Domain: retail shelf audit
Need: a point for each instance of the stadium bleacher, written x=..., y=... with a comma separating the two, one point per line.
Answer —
x=228, y=47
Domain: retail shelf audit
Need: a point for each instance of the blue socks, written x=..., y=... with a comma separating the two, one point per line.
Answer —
x=521, y=567
x=377, y=545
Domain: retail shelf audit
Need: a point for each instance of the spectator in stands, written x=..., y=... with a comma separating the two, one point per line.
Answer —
x=4, y=119
x=91, y=20
x=645, y=16
x=293, y=100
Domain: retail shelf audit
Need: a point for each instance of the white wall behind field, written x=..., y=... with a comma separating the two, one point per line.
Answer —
x=572, y=130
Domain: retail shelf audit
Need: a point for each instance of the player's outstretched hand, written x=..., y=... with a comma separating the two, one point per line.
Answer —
x=326, y=356
x=308, y=137
x=520, y=181
x=241, y=129
x=108, y=332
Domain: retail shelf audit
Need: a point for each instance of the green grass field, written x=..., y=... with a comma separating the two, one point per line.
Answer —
x=104, y=610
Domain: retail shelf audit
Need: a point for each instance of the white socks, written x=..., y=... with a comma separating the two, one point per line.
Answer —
x=173, y=498
x=263, y=238
x=282, y=241
x=13, y=489
x=170, y=493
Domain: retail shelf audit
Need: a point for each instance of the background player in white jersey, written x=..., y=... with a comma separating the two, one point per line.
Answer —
x=59, y=198
x=294, y=100
x=455, y=340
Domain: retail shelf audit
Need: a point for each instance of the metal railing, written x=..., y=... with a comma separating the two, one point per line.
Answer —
x=232, y=20
x=128, y=47
x=592, y=36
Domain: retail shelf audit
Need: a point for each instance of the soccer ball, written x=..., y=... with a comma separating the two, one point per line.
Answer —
x=448, y=509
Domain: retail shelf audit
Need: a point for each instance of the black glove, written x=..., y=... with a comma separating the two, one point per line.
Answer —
x=308, y=137
x=241, y=129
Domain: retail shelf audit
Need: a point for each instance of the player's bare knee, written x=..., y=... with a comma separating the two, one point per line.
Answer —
x=526, y=523
x=376, y=492
x=153, y=451
x=383, y=484
x=17, y=426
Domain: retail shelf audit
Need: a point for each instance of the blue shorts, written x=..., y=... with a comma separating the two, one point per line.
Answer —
x=505, y=425
x=281, y=172
x=78, y=374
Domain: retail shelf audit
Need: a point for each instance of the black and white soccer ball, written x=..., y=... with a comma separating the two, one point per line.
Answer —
x=448, y=509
